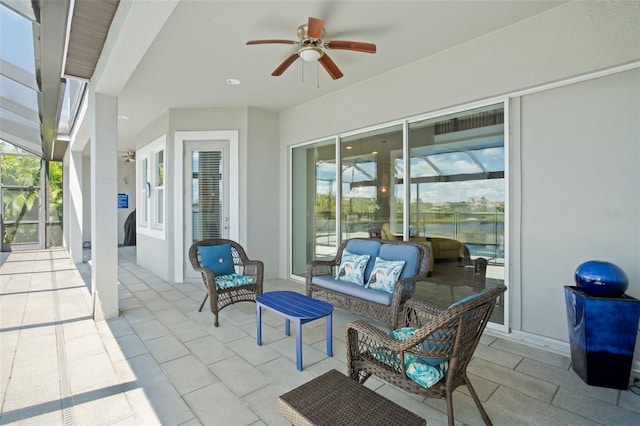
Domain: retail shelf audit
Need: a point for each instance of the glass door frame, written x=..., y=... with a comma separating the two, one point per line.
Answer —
x=232, y=137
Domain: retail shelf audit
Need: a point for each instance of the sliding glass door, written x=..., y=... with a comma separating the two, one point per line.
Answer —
x=438, y=181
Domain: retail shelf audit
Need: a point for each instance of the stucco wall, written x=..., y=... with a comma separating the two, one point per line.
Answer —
x=580, y=152
x=153, y=253
x=258, y=157
x=263, y=195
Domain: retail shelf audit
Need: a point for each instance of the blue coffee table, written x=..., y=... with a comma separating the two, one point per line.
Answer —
x=298, y=308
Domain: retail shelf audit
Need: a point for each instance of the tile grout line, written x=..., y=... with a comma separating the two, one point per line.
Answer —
x=65, y=388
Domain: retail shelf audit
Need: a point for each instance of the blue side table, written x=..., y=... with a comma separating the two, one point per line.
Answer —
x=298, y=308
x=602, y=335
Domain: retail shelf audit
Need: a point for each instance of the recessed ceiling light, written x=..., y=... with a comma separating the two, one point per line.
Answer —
x=124, y=117
x=348, y=147
x=233, y=81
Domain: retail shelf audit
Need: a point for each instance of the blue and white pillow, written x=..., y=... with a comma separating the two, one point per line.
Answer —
x=352, y=267
x=384, y=275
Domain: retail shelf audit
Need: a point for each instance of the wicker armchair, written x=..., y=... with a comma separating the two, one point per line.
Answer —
x=221, y=296
x=441, y=333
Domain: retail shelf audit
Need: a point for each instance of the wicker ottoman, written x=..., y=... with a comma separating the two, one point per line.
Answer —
x=334, y=399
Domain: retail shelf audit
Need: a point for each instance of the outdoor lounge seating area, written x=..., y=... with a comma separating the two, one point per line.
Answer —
x=163, y=362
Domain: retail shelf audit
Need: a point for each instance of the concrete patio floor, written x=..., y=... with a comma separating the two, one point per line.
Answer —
x=163, y=362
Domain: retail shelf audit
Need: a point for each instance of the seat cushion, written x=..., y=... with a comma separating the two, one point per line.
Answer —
x=354, y=290
x=224, y=282
x=407, y=252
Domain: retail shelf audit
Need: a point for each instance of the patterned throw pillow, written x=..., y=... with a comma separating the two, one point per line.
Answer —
x=352, y=267
x=424, y=371
x=433, y=344
x=424, y=374
x=384, y=275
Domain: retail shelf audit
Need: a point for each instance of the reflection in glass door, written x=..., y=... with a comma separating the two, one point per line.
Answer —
x=457, y=201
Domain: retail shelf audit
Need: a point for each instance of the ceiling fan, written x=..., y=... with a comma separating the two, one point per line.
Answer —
x=129, y=157
x=312, y=48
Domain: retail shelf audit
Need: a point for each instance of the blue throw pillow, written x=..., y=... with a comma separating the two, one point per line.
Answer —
x=217, y=258
x=384, y=275
x=352, y=267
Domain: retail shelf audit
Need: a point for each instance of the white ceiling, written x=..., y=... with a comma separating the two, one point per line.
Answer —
x=202, y=44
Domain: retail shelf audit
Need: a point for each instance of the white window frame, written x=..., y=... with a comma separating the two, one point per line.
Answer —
x=150, y=189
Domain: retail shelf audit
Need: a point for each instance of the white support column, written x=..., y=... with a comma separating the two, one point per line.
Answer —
x=104, y=215
x=73, y=207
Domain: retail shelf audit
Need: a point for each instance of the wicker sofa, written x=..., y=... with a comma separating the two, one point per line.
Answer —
x=382, y=306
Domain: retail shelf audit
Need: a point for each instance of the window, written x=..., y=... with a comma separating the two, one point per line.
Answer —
x=159, y=188
x=151, y=198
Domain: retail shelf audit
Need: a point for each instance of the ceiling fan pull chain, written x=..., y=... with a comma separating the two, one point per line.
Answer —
x=317, y=75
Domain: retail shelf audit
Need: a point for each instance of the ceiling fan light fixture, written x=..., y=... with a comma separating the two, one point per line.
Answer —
x=310, y=54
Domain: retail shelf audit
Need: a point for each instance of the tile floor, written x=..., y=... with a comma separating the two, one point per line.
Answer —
x=163, y=362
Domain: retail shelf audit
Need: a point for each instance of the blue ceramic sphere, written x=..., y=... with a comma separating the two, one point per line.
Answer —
x=600, y=278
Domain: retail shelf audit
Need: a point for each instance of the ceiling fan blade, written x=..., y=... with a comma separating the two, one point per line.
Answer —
x=285, y=64
x=314, y=28
x=274, y=41
x=330, y=66
x=357, y=46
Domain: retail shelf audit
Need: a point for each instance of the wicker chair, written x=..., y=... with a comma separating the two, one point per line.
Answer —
x=441, y=333
x=220, y=298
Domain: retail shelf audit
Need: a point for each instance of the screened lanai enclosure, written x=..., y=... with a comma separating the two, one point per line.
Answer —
x=30, y=182
x=31, y=193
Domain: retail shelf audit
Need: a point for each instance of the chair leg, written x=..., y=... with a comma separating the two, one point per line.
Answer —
x=474, y=395
x=450, y=406
x=204, y=300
